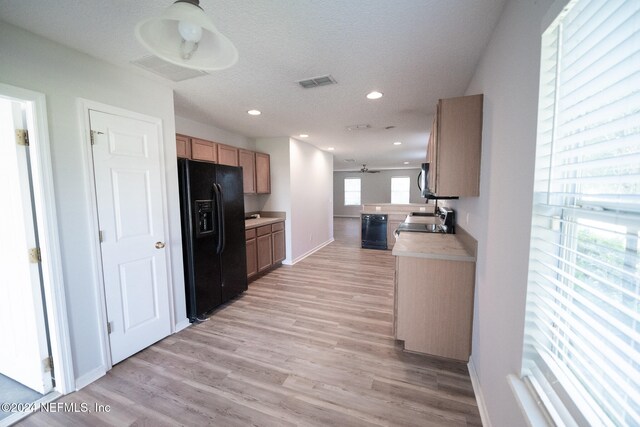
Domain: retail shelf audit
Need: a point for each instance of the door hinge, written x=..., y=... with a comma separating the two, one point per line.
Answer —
x=47, y=364
x=93, y=134
x=34, y=255
x=22, y=137
x=101, y=236
x=109, y=327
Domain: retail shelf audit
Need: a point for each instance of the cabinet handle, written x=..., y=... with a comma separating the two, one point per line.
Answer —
x=159, y=245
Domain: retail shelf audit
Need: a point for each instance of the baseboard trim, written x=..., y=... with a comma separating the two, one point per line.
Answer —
x=475, y=382
x=303, y=256
x=346, y=216
x=90, y=377
x=183, y=324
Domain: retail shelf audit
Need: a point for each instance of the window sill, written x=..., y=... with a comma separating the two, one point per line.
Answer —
x=527, y=403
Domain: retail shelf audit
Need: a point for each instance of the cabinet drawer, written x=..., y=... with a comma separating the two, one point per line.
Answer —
x=250, y=233
x=277, y=226
x=265, y=229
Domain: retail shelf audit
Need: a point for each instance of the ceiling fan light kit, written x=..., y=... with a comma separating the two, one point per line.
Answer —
x=184, y=35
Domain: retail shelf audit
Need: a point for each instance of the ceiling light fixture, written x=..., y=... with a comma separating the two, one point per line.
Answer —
x=254, y=112
x=184, y=35
x=330, y=148
x=374, y=95
x=304, y=135
x=406, y=163
x=397, y=143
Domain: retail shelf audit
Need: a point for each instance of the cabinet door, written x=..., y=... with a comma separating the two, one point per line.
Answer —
x=203, y=150
x=247, y=161
x=263, y=174
x=279, y=252
x=432, y=154
x=183, y=146
x=227, y=155
x=252, y=258
x=265, y=258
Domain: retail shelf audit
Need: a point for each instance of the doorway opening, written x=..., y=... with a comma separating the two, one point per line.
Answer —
x=35, y=361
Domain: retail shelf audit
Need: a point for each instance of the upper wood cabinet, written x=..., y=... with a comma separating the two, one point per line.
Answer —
x=256, y=171
x=263, y=173
x=183, y=146
x=227, y=155
x=454, y=147
x=203, y=150
x=247, y=161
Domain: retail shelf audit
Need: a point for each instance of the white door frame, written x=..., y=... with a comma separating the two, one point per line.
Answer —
x=84, y=105
x=47, y=223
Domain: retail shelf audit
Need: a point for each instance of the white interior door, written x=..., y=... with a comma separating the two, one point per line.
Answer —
x=127, y=167
x=23, y=334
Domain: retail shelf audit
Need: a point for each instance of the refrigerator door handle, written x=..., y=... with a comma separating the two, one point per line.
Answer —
x=217, y=194
x=223, y=238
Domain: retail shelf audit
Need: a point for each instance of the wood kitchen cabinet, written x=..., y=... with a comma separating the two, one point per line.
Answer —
x=183, y=146
x=203, y=150
x=227, y=155
x=247, y=161
x=263, y=173
x=266, y=248
x=278, y=242
x=433, y=303
x=252, y=253
x=454, y=147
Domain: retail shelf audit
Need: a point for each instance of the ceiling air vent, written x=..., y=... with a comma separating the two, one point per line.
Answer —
x=317, y=81
x=362, y=126
x=166, y=69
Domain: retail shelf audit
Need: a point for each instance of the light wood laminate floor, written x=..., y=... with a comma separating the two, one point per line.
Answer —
x=310, y=344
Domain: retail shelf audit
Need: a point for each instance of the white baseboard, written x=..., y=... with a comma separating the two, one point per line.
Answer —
x=475, y=382
x=90, y=377
x=303, y=256
x=183, y=324
x=346, y=216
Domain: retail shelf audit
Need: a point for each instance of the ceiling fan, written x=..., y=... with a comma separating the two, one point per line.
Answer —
x=365, y=169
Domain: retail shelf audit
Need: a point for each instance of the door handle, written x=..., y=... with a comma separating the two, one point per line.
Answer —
x=159, y=245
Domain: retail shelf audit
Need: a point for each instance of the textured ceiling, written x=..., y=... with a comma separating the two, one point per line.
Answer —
x=415, y=51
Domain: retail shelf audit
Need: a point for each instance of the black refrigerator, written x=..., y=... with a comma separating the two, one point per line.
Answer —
x=213, y=235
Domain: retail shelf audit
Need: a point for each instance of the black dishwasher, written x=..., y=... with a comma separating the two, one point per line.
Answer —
x=374, y=231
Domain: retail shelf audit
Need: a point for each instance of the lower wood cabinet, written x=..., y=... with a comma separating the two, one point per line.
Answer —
x=252, y=253
x=265, y=248
x=434, y=306
x=277, y=240
x=265, y=255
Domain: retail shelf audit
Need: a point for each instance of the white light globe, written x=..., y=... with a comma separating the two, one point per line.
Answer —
x=189, y=31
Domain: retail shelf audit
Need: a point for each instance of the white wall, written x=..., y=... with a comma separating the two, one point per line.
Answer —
x=375, y=188
x=64, y=75
x=280, y=197
x=311, y=198
x=500, y=218
x=209, y=132
x=301, y=182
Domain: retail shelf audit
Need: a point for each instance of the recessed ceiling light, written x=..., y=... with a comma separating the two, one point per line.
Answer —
x=254, y=112
x=330, y=148
x=406, y=163
x=374, y=95
x=397, y=143
x=304, y=135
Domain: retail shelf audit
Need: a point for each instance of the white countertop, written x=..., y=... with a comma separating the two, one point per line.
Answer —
x=258, y=222
x=438, y=246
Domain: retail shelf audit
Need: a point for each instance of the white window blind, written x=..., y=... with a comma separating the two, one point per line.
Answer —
x=400, y=189
x=351, y=191
x=582, y=329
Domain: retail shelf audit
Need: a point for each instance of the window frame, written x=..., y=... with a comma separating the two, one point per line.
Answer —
x=408, y=191
x=345, y=191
